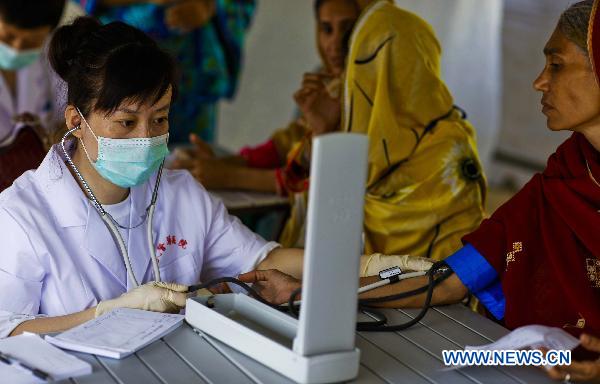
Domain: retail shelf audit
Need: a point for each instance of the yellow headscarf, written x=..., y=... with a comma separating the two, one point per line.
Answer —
x=425, y=188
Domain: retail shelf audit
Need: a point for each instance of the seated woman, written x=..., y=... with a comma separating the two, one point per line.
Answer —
x=537, y=259
x=425, y=187
x=60, y=265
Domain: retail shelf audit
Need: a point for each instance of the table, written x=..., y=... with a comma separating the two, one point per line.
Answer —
x=410, y=356
x=238, y=202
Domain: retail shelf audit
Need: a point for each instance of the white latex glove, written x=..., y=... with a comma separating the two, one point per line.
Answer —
x=378, y=262
x=204, y=292
x=154, y=296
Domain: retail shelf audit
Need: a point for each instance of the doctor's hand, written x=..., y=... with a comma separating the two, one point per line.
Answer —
x=154, y=296
x=587, y=371
x=274, y=286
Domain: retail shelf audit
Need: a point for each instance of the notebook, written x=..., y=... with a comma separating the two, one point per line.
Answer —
x=31, y=349
x=118, y=333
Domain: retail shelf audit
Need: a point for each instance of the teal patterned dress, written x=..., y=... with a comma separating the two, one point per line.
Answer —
x=209, y=58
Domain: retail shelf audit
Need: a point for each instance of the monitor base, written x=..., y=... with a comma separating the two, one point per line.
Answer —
x=267, y=336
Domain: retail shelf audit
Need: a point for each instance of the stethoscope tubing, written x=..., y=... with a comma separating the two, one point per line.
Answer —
x=112, y=225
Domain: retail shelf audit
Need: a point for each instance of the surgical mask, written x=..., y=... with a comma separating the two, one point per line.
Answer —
x=128, y=162
x=12, y=60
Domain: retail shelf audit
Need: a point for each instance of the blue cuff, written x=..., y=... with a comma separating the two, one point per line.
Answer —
x=480, y=278
x=493, y=299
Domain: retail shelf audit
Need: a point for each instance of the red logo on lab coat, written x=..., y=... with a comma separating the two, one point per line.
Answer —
x=170, y=242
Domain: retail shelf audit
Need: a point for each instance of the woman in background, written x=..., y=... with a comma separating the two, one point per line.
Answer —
x=425, y=186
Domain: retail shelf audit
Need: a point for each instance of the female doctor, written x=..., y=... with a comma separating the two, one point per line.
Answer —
x=76, y=240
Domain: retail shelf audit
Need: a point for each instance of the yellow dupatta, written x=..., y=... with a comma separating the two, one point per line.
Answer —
x=425, y=187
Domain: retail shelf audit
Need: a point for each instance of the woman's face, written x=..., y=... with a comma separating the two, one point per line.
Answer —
x=129, y=121
x=570, y=93
x=22, y=39
x=335, y=21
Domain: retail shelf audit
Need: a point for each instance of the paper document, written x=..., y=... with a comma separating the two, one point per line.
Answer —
x=34, y=351
x=527, y=337
x=118, y=333
x=533, y=337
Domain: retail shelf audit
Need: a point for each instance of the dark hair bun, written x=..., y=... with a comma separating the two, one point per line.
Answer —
x=67, y=42
x=103, y=65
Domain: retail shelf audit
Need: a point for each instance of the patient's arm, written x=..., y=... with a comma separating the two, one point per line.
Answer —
x=277, y=286
x=286, y=261
x=230, y=172
x=251, y=179
x=227, y=173
x=226, y=176
x=448, y=291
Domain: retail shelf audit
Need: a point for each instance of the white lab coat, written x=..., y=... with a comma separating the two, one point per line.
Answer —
x=58, y=257
x=38, y=91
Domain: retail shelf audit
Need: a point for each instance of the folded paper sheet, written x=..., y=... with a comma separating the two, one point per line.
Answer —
x=532, y=337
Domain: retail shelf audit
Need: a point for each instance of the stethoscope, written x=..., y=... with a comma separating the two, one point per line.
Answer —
x=112, y=225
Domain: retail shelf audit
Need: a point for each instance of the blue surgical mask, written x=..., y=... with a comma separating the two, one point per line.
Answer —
x=128, y=162
x=12, y=60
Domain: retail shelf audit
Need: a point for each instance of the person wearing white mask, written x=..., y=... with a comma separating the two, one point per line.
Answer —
x=100, y=225
x=27, y=88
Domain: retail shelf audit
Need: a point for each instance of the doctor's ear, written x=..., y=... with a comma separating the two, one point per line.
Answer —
x=73, y=120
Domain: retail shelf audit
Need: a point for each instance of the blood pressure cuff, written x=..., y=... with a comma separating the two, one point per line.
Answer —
x=478, y=275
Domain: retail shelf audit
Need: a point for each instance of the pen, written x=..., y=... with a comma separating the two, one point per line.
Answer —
x=7, y=359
